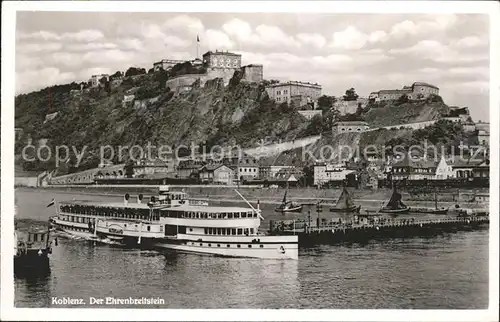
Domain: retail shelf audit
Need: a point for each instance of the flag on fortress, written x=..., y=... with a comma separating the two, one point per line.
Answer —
x=51, y=203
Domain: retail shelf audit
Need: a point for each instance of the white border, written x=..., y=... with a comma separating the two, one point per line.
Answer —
x=8, y=312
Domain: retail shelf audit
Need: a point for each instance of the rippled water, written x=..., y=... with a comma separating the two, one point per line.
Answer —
x=448, y=271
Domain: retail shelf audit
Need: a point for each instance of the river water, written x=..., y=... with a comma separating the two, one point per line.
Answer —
x=444, y=272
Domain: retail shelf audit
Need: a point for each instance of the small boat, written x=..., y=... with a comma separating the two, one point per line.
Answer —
x=288, y=206
x=345, y=203
x=432, y=211
x=32, y=247
x=395, y=205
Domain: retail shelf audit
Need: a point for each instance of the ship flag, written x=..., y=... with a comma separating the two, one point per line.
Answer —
x=51, y=203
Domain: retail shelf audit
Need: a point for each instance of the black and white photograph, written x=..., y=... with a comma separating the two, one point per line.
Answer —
x=243, y=155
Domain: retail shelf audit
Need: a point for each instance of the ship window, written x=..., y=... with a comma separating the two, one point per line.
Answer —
x=243, y=215
x=206, y=231
x=201, y=244
x=209, y=245
x=218, y=245
x=249, y=246
x=240, y=231
x=239, y=246
x=233, y=231
x=228, y=245
x=197, y=215
x=230, y=215
x=246, y=231
x=251, y=231
x=236, y=215
x=219, y=231
x=125, y=225
x=35, y=237
x=149, y=228
x=190, y=229
x=261, y=246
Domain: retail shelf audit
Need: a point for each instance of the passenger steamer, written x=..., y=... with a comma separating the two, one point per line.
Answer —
x=177, y=223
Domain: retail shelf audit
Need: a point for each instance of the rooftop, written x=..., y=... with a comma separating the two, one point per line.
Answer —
x=424, y=84
x=288, y=83
x=394, y=91
x=208, y=209
x=350, y=123
x=217, y=52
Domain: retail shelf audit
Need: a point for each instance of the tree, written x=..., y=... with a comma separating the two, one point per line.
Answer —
x=151, y=71
x=132, y=71
x=350, y=95
x=325, y=103
x=116, y=75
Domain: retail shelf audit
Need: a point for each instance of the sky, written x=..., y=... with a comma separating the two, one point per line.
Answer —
x=366, y=51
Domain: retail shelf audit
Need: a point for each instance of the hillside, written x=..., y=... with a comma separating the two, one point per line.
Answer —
x=393, y=113
x=239, y=114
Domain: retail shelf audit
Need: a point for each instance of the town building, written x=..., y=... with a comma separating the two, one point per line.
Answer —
x=189, y=168
x=166, y=64
x=483, y=137
x=444, y=170
x=218, y=64
x=283, y=92
x=127, y=99
x=326, y=173
x=412, y=168
x=418, y=90
x=253, y=73
x=96, y=79
x=216, y=174
x=150, y=167
x=245, y=167
x=309, y=114
x=349, y=126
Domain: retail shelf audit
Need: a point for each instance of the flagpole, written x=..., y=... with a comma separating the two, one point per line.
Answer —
x=57, y=207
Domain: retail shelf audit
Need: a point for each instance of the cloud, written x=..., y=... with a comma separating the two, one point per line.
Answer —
x=184, y=22
x=238, y=28
x=91, y=46
x=217, y=39
x=315, y=40
x=352, y=38
x=471, y=42
x=109, y=55
x=39, y=35
x=438, y=52
x=435, y=24
x=38, y=47
x=470, y=71
x=86, y=35
x=35, y=79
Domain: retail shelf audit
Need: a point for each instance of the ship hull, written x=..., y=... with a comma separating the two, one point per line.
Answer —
x=354, y=209
x=267, y=253
x=263, y=247
x=395, y=211
x=293, y=209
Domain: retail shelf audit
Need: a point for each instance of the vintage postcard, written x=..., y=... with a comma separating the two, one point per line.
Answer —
x=292, y=160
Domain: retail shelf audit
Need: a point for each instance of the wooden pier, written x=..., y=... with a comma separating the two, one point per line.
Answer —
x=365, y=228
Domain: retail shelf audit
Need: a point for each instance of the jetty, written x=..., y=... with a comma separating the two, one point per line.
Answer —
x=364, y=227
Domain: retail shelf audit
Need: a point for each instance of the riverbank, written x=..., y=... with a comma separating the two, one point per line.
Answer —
x=366, y=198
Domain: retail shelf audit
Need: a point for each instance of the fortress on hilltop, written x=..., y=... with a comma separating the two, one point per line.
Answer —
x=416, y=91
